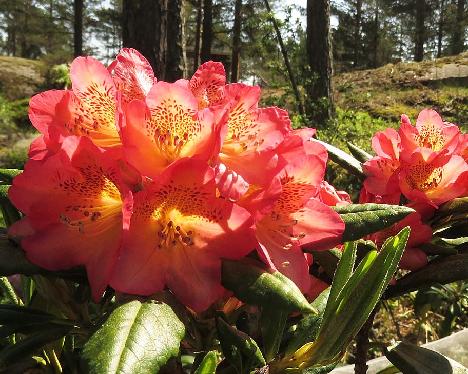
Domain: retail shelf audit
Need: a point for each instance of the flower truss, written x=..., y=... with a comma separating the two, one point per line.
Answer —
x=150, y=184
x=421, y=166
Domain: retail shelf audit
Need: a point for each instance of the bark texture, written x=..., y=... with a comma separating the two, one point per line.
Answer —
x=320, y=107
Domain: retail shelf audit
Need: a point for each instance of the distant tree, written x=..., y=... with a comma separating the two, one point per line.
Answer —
x=458, y=35
x=357, y=32
x=236, y=41
x=319, y=104
x=175, y=62
x=207, y=33
x=198, y=33
x=420, y=30
x=78, y=27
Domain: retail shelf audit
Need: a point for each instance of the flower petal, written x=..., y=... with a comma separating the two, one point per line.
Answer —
x=207, y=84
x=132, y=74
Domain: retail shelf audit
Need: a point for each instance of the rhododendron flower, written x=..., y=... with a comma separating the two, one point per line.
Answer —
x=168, y=127
x=248, y=153
x=429, y=135
x=90, y=109
x=421, y=161
x=76, y=208
x=297, y=218
x=179, y=232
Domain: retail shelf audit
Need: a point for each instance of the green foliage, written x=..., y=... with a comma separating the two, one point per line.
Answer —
x=412, y=359
x=138, y=338
x=208, y=364
x=257, y=286
x=363, y=219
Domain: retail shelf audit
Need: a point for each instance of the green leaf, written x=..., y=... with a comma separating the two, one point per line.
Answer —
x=353, y=306
x=10, y=213
x=239, y=348
x=208, y=364
x=411, y=359
x=453, y=207
x=364, y=219
x=9, y=291
x=344, y=159
x=7, y=175
x=255, y=285
x=14, y=314
x=32, y=343
x=138, y=338
x=272, y=323
x=328, y=260
x=342, y=275
x=441, y=270
x=360, y=154
x=13, y=260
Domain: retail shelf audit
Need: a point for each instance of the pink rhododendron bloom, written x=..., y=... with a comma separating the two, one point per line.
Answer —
x=166, y=127
x=424, y=162
x=149, y=185
x=90, y=109
x=179, y=232
x=298, y=218
x=77, y=209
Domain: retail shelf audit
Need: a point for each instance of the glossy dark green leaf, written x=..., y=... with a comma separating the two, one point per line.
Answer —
x=7, y=175
x=10, y=213
x=138, y=338
x=364, y=219
x=328, y=260
x=272, y=323
x=32, y=343
x=255, y=285
x=239, y=348
x=453, y=207
x=360, y=154
x=15, y=314
x=411, y=359
x=208, y=364
x=344, y=159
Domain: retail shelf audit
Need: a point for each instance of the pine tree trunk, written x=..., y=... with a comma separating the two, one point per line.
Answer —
x=198, y=32
x=144, y=24
x=236, y=41
x=375, y=39
x=77, y=28
x=320, y=107
x=175, y=51
x=440, y=29
x=284, y=52
x=357, y=33
x=207, y=34
x=420, y=30
x=459, y=29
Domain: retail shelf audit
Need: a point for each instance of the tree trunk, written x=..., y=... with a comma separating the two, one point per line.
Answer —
x=284, y=52
x=357, y=33
x=236, y=41
x=198, y=32
x=207, y=34
x=174, y=51
x=77, y=28
x=320, y=107
x=420, y=30
x=440, y=27
x=144, y=28
x=375, y=39
x=459, y=29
